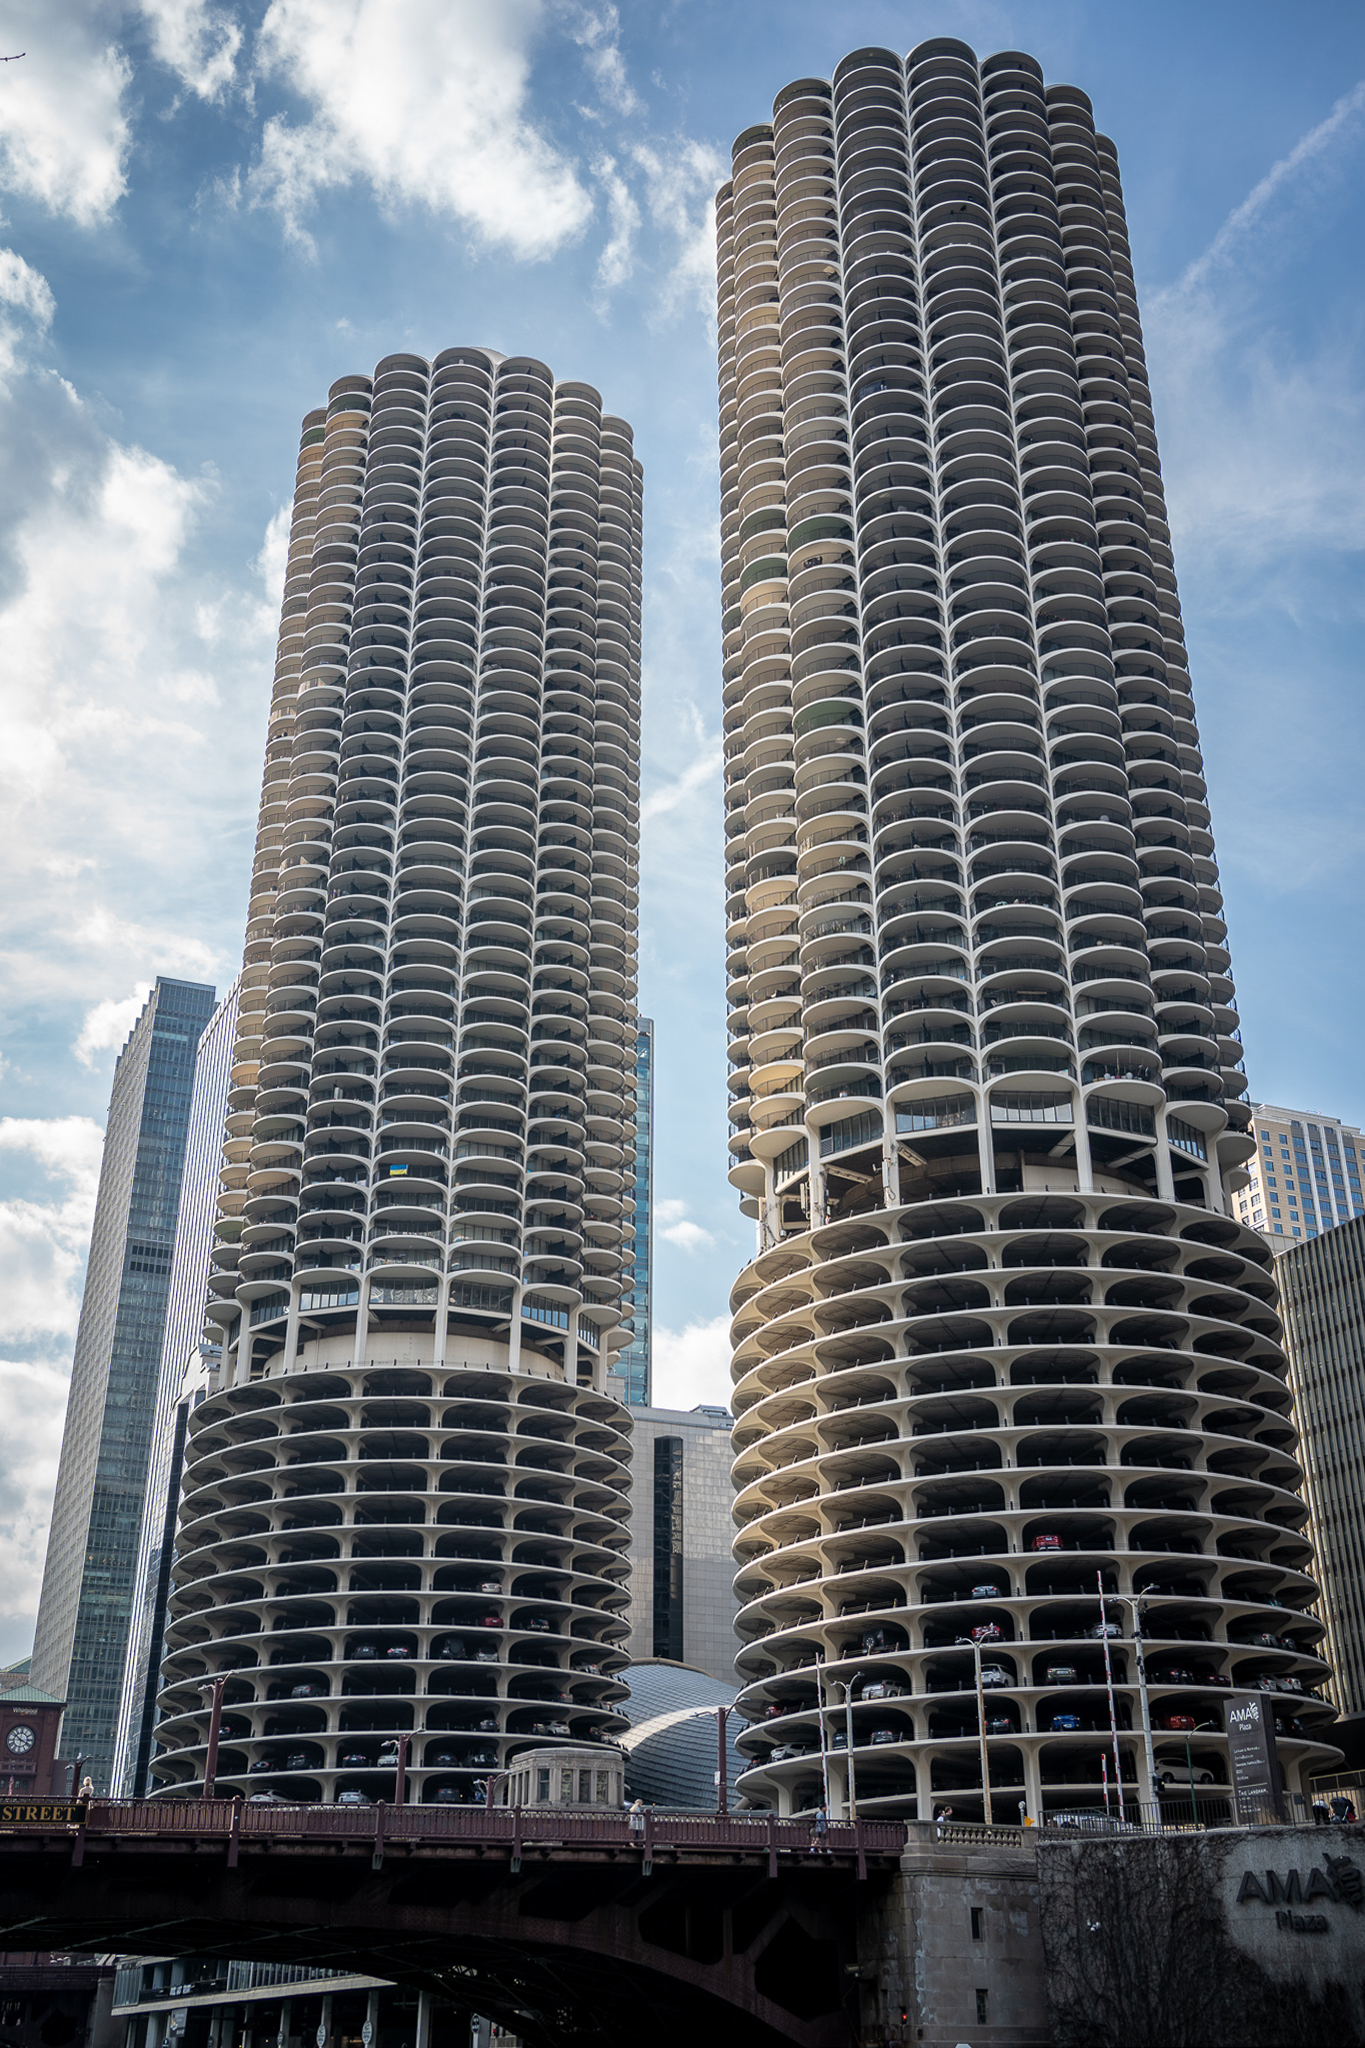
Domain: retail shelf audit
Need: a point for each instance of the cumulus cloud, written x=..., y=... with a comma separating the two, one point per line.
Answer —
x=273, y=559
x=25, y=295
x=132, y=742
x=675, y=1227
x=43, y=1241
x=681, y=180
x=197, y=41
x=617, y=260
x=33, y=1399
x=106, y=1025
x=64, y=128
x=692, y=1365
x=426, y=104
x=23, y=288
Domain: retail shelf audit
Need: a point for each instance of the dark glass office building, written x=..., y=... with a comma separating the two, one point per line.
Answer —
x=83, y=1615
x=635, y=1363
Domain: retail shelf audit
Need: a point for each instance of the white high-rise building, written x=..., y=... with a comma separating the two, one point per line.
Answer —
x=405, y=1508
x=1005, y=1338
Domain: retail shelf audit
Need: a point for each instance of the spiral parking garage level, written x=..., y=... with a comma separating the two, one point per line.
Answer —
x=404, y=1509
x=1003, y=1333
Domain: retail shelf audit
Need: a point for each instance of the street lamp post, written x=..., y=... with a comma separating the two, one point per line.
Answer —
x=1109, y=1683
x=850, y=1791
x=820, y=1718
x=214, y=1686
x=400, y=1785
x=1136, y=1606
x=987, y=1808
x=722, y=1772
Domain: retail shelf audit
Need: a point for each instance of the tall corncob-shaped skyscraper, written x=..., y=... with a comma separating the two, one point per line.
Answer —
x=404, y=1507
x=1003, y=1333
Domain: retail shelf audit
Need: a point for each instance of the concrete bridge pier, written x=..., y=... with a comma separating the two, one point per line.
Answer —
x=952, y=1950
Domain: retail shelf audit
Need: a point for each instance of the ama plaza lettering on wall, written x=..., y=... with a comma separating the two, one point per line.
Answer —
x=1342, y=1882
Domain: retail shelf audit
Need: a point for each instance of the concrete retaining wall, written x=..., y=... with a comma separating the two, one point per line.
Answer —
x=1240, y=1938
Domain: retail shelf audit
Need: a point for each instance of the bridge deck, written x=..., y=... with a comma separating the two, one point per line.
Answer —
x=575, y=1928
x=228, y=1824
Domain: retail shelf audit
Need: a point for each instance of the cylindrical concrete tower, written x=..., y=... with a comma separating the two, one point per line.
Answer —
x=404, y=1507
x=1003, y=1339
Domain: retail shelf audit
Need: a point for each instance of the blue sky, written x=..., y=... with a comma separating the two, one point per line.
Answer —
x=212, y=208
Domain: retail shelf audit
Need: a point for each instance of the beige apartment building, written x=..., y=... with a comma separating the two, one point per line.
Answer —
x=1305, y=1177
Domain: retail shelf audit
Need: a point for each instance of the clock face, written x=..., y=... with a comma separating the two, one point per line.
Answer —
x=20, y=1740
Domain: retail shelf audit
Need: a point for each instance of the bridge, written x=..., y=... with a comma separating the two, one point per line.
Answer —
x=567, y=1927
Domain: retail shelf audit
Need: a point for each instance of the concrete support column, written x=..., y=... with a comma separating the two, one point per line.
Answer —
x=1033, y=1782
x=362, y=1322
x=291, y=1331
x=422, y=2035
x=985, y=1144
x=1165, y=1179
x=1085, y=1169
x=442, y=1332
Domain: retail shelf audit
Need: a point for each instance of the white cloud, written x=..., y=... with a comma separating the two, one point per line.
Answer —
x=197, y=41
x=106, y=1026
x=426, y=103
x=273, y=559
x=617, y=260
x=676, y=1228
x=598, y=32
x=692, y=1365
x=33, y=1400
x=694, y=778
x=43, y=1243
x=1263, y=428
x=681, y=181
x=25, y=289
x=129, y=762
x=1308, y=152
x=30, y=295
x=64, y=130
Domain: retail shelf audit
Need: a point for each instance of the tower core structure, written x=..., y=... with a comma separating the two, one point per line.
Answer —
x=1004, y=1340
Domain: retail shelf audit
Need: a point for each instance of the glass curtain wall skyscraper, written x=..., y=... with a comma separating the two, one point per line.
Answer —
x=405, y=1508
x=1003, y=1339
x=181, y=1341
x=89, y=1577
